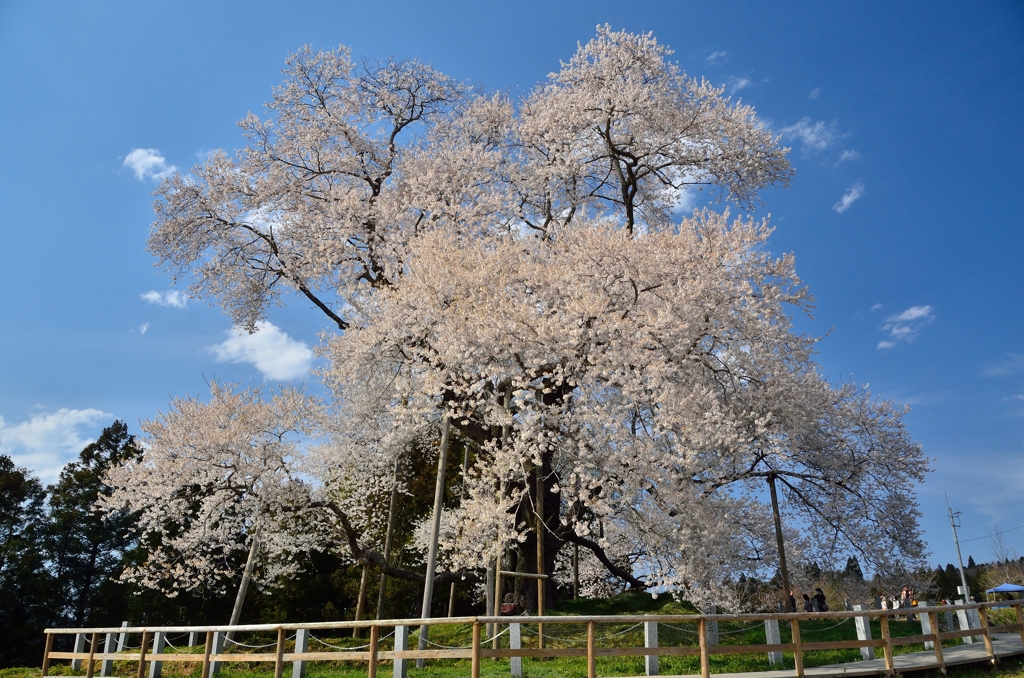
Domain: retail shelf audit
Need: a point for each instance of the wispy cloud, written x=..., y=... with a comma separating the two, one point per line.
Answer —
x=815, y=136
x=738, y=84
x=170, y=298
x=814, y=93
x=847, y=155
x=271, y=350
x=715, y=56
x=852, y=194
x=45, y=443
x=144, y=328
x=906, y=326
x=1014, y=364
x=147, y=163
x=876, y=307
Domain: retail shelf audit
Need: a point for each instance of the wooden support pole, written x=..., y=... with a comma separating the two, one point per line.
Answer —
x=387, y=542
x=206, y=655
x=90, y=671
x=705, y=657
x=883, y=620
x=361, y=601
x=983, y=614
x=495, y=628
x=591, y=651
x=435, y=529
x=46, y=653
x=798, y=651
x=933, y=617
x=1020, y=621
x=371, y=670
x=142, y=655
x=575, y=570
x=279, y=655
x=541, y=530
x=475, y=667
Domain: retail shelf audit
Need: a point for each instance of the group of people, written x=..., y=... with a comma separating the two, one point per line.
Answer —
x=907, y=599
x=814, y=603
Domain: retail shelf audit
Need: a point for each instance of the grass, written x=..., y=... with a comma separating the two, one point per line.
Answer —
x=573, y=635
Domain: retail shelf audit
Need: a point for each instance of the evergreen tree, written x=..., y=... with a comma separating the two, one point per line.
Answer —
x=970, y=562
x=87, y=549
x=853, y=568
x=25, y=584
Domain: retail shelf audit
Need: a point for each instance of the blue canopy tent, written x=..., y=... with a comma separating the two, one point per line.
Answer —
x=1006, y=588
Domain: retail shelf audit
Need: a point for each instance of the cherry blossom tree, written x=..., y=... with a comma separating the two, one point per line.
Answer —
x=626, y=379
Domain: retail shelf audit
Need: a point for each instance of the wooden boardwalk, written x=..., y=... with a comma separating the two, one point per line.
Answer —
x=1004, y=645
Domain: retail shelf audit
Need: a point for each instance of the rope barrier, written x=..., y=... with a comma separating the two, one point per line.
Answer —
x=354, y=647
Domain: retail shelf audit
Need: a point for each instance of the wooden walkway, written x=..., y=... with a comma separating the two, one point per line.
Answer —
x=1004, y=645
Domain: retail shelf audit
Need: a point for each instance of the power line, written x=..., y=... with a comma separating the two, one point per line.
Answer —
x=990, y=536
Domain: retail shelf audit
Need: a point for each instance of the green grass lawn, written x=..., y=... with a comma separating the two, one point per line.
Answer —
x=570, y=635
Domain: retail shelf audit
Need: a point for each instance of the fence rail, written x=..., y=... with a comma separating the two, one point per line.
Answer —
x=152, y=640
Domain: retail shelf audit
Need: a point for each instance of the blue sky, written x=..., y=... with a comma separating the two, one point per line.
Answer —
x=904, y=215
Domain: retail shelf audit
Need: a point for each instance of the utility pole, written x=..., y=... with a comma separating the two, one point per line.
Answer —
x=954, y=522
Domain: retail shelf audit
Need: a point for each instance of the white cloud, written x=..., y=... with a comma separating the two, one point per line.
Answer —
x=45, y=443
x=272, y=351
x=814, y=93
x=144, y=328
x=876, y=307
x=738, y=84
x=852, y=194
x=847, y=155
x=148, y=163
x=715, y=56
x=906, y=326
x=1014, y=364
x=170, y=298
x=816, y=137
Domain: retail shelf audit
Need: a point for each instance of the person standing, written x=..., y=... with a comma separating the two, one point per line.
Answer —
x=819, y=601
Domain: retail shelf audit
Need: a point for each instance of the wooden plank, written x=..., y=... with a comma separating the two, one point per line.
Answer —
x=887, y=646
x=705, y=660
x=591, y=655
x=933, y=619
x=206, y=655
x=986, y=636
x=371, y=670
x=798, y=653
x=46, y=654
x=279, y=654
x=475, y=660
x=91, y=670
x=1020, y=621
x=142, y=655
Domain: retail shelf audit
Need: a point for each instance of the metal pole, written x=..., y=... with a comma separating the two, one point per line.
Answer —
x=781, y=544
x=954, y=518
x=435, y=529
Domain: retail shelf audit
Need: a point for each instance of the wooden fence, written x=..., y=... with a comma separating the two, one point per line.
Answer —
x=152, y=640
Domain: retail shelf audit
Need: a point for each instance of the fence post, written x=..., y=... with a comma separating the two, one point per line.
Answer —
x=206, y=655
x=279, y=654
x=122, y=637
x=591, y=652
x=46, y=653
x=950, y=626
x=937, y=643
x=863, y=625
x=142, y=655
x=1020, y=621
x=651, y=641
x=159, y=640
x=193, y=638
x=926, y=624
x=772, y=637
x=712, y=625
x=515, y=641
x=401, y=645
x=961, y=616
x=983, y=615
x=371, y=672
x=76, y=664
x=798, y=652
x=301, y=645
x=93, y=642
x=887, y=648
x=216, y=648
x=475, y=665
x=107, y=665
x=705, y=660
